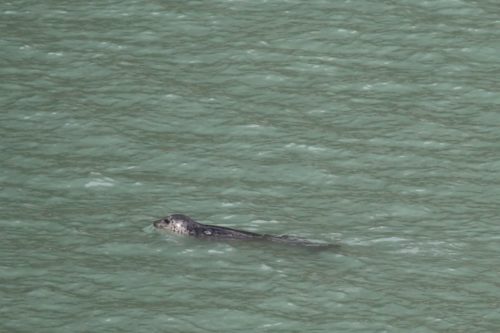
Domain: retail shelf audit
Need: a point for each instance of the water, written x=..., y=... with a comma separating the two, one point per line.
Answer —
x=374, y=125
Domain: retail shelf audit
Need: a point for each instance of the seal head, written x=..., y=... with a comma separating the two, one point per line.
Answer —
x=177, y=223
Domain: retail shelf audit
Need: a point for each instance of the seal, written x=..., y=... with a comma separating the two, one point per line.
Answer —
x=182, y=224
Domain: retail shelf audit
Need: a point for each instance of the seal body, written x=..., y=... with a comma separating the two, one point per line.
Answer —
x=185, y=225
x=182, y=224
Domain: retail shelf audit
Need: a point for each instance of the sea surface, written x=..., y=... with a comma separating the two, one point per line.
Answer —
x=374, y=125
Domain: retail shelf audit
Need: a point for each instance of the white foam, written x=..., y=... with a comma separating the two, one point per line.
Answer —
x=389, y=239
x=265, y=267
x=306, y=147
x=100, y=182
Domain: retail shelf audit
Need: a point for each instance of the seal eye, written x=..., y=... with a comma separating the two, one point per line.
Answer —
x=161, y=223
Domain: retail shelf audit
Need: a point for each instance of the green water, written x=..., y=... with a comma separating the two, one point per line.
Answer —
x=375, y=125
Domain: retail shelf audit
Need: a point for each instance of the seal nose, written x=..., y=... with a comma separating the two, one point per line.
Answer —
x=158, y=223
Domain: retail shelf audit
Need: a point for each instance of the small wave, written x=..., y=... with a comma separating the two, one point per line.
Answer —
x=100, y=183
x=306, y=147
